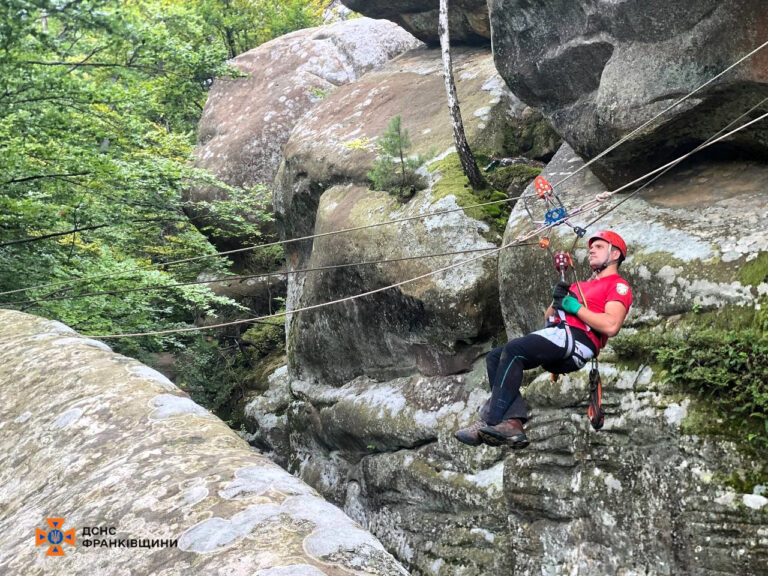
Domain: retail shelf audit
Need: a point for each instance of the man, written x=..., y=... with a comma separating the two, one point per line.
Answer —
x=588, y=314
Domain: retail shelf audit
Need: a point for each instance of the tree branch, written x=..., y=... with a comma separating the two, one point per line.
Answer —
x=42, y=176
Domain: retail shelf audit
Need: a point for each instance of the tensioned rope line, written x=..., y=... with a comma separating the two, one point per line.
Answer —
x=603, y=153
x=669, y=167
x=28, y=303
x=667, y=109
x=517, y=240
x=662, y=170
x=159, y=287
x=584, y=208
x=257, y=246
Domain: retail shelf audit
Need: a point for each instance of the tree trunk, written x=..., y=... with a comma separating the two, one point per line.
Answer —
x=462, y=148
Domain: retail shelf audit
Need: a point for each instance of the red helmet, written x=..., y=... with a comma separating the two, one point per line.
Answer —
x=612, y=238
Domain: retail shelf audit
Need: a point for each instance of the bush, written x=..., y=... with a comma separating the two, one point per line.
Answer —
x=212, y=375
x=725, y=367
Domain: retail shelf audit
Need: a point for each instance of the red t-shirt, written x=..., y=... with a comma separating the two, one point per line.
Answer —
x=597, y=294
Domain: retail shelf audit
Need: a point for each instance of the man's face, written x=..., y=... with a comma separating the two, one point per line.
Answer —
x=599, y=252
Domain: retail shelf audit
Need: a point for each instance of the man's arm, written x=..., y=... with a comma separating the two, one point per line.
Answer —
x=608, y=322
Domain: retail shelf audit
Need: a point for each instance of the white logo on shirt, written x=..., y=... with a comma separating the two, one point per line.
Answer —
x=622, y=289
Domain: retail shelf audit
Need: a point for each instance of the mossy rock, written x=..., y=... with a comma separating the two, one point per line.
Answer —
x=451, y=180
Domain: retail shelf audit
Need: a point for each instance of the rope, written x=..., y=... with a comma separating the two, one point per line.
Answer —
x=244, y=277
x=590, y=162
x=667, y=109
x=517, y=240
x=247, y=248
x=584, y=208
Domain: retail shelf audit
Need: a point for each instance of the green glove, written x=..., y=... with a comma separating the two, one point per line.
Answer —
x=570, y=305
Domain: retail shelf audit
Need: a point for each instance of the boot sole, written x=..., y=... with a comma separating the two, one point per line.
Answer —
x=468, y=442
x=515, y=442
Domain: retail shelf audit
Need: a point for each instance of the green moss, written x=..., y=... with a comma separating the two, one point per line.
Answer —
x=264, y=338
x=452, y=181
x=516, y=177
x=718, y=356
x=755, y=271
x=531, y=136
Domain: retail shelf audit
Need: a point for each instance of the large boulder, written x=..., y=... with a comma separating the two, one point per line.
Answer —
x=680, y=259
x=247, y=119
x=433, y=325
x=150, y=482
x=467, y=19
x=436, y=325
x=600, y=69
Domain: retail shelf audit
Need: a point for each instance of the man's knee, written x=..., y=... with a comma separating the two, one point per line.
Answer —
x=514, y=348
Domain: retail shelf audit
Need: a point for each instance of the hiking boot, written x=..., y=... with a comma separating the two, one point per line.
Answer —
x=469, y=435
x=507, y=433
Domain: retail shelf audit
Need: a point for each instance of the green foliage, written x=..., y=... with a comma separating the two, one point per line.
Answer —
x=393, y=170
x=212, y=375
x=99, y=103
x=244, y=24
x=267, y=337
x=727, y=368
x=227, y=213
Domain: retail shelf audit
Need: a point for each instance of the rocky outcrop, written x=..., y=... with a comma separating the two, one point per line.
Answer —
x=431, y=326
x=384, y=451
x=247, y=119
x=646, y=495
x=467, y=19
x=600, y=69
x=678, y=258
x=107, y=443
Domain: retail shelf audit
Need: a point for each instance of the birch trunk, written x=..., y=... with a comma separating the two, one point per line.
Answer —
x=466, y=157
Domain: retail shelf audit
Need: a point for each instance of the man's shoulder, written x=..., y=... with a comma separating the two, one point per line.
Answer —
x=622, y=286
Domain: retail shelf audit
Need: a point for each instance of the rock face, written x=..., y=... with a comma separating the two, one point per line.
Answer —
x=247, y=120
x=638, y=497
x=105, y=442
x=384, y=451
x=431, y=326
x=678, y=257
x=468, y=19
x=643, y=496
x=600, y=69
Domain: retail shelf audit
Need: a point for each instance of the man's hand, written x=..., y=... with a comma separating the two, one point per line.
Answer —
x=570, y=305
x=559, y=292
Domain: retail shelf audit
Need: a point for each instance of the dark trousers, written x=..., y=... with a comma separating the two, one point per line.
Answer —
x=505, y=372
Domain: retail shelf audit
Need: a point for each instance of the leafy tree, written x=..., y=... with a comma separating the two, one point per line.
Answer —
x=244, y=24
x=99, y=102
x=393, y=170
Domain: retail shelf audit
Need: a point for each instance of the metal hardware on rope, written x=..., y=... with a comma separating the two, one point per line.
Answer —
x=555, y=215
